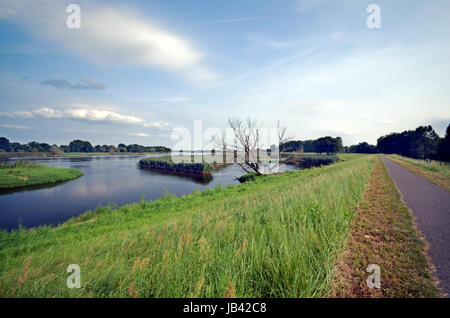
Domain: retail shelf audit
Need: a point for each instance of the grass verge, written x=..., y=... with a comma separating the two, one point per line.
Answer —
x=278, y=236
x=23, y=174
x=436, y=172
x=383, y=233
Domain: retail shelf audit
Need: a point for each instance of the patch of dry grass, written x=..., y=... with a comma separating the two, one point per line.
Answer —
x=383, y=233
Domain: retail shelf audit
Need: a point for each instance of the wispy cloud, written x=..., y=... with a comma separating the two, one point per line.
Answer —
x=260, y=41
x=14, y=126
x=112, y=36
x=139, y=134
x=222, y=21
x=20, y=114
x=86, y=84
x=288, y=59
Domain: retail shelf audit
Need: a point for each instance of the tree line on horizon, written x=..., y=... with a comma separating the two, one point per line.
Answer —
x=326, y=144
x=76, y=146
x=421, y=143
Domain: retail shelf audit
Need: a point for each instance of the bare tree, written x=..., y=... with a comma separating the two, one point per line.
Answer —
x=247, y=139
x=281, y=131
x=246, y=143
x=221, y=143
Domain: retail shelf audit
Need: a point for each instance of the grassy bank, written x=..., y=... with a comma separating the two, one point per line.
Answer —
x=276, y=237
x=437, y=172
x=383, y=233
x=192, y=164
x=23, y=174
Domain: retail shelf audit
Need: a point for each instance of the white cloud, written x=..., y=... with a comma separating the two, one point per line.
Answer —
x=21, y=114
x=139, y=134
x=15, y=126
x=103, y=115
x=48, y=113
x=112, y=37
x=89, y=114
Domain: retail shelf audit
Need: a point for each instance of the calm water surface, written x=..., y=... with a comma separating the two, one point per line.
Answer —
x=105, y=180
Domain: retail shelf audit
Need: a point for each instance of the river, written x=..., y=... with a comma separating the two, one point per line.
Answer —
x=106, y=179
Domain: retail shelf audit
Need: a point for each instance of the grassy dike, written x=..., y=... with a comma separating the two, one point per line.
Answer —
x=24, y=174
x=383, y=233
x=434, y=171
x=275, y=237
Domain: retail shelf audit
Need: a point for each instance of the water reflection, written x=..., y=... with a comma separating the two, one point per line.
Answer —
x=106, y=179
x=199, y=179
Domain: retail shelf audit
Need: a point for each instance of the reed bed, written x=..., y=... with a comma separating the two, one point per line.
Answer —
x=194, y=165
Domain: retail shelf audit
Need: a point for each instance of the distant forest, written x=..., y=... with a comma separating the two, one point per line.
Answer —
x=75, y=146
x=421, y=143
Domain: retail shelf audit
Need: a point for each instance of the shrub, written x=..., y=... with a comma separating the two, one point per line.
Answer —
x=308, y=161
x=248, y=177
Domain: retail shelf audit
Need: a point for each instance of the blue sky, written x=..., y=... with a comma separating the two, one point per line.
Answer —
x=137, y=70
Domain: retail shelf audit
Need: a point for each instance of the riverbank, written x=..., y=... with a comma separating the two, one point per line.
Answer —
x=21, y=174
x=275, y=237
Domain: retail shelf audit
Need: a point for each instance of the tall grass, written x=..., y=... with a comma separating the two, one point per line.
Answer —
x=189, y=164
x=21, y=164
x=168, y=165
x=276, y=237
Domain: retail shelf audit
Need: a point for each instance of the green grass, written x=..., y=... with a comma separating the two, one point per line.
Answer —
x=278, y=236
x=440, y=167
x=166, y=164
x=191, y=164
x=22, y=174
x=349, y=156
x=383, y=233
